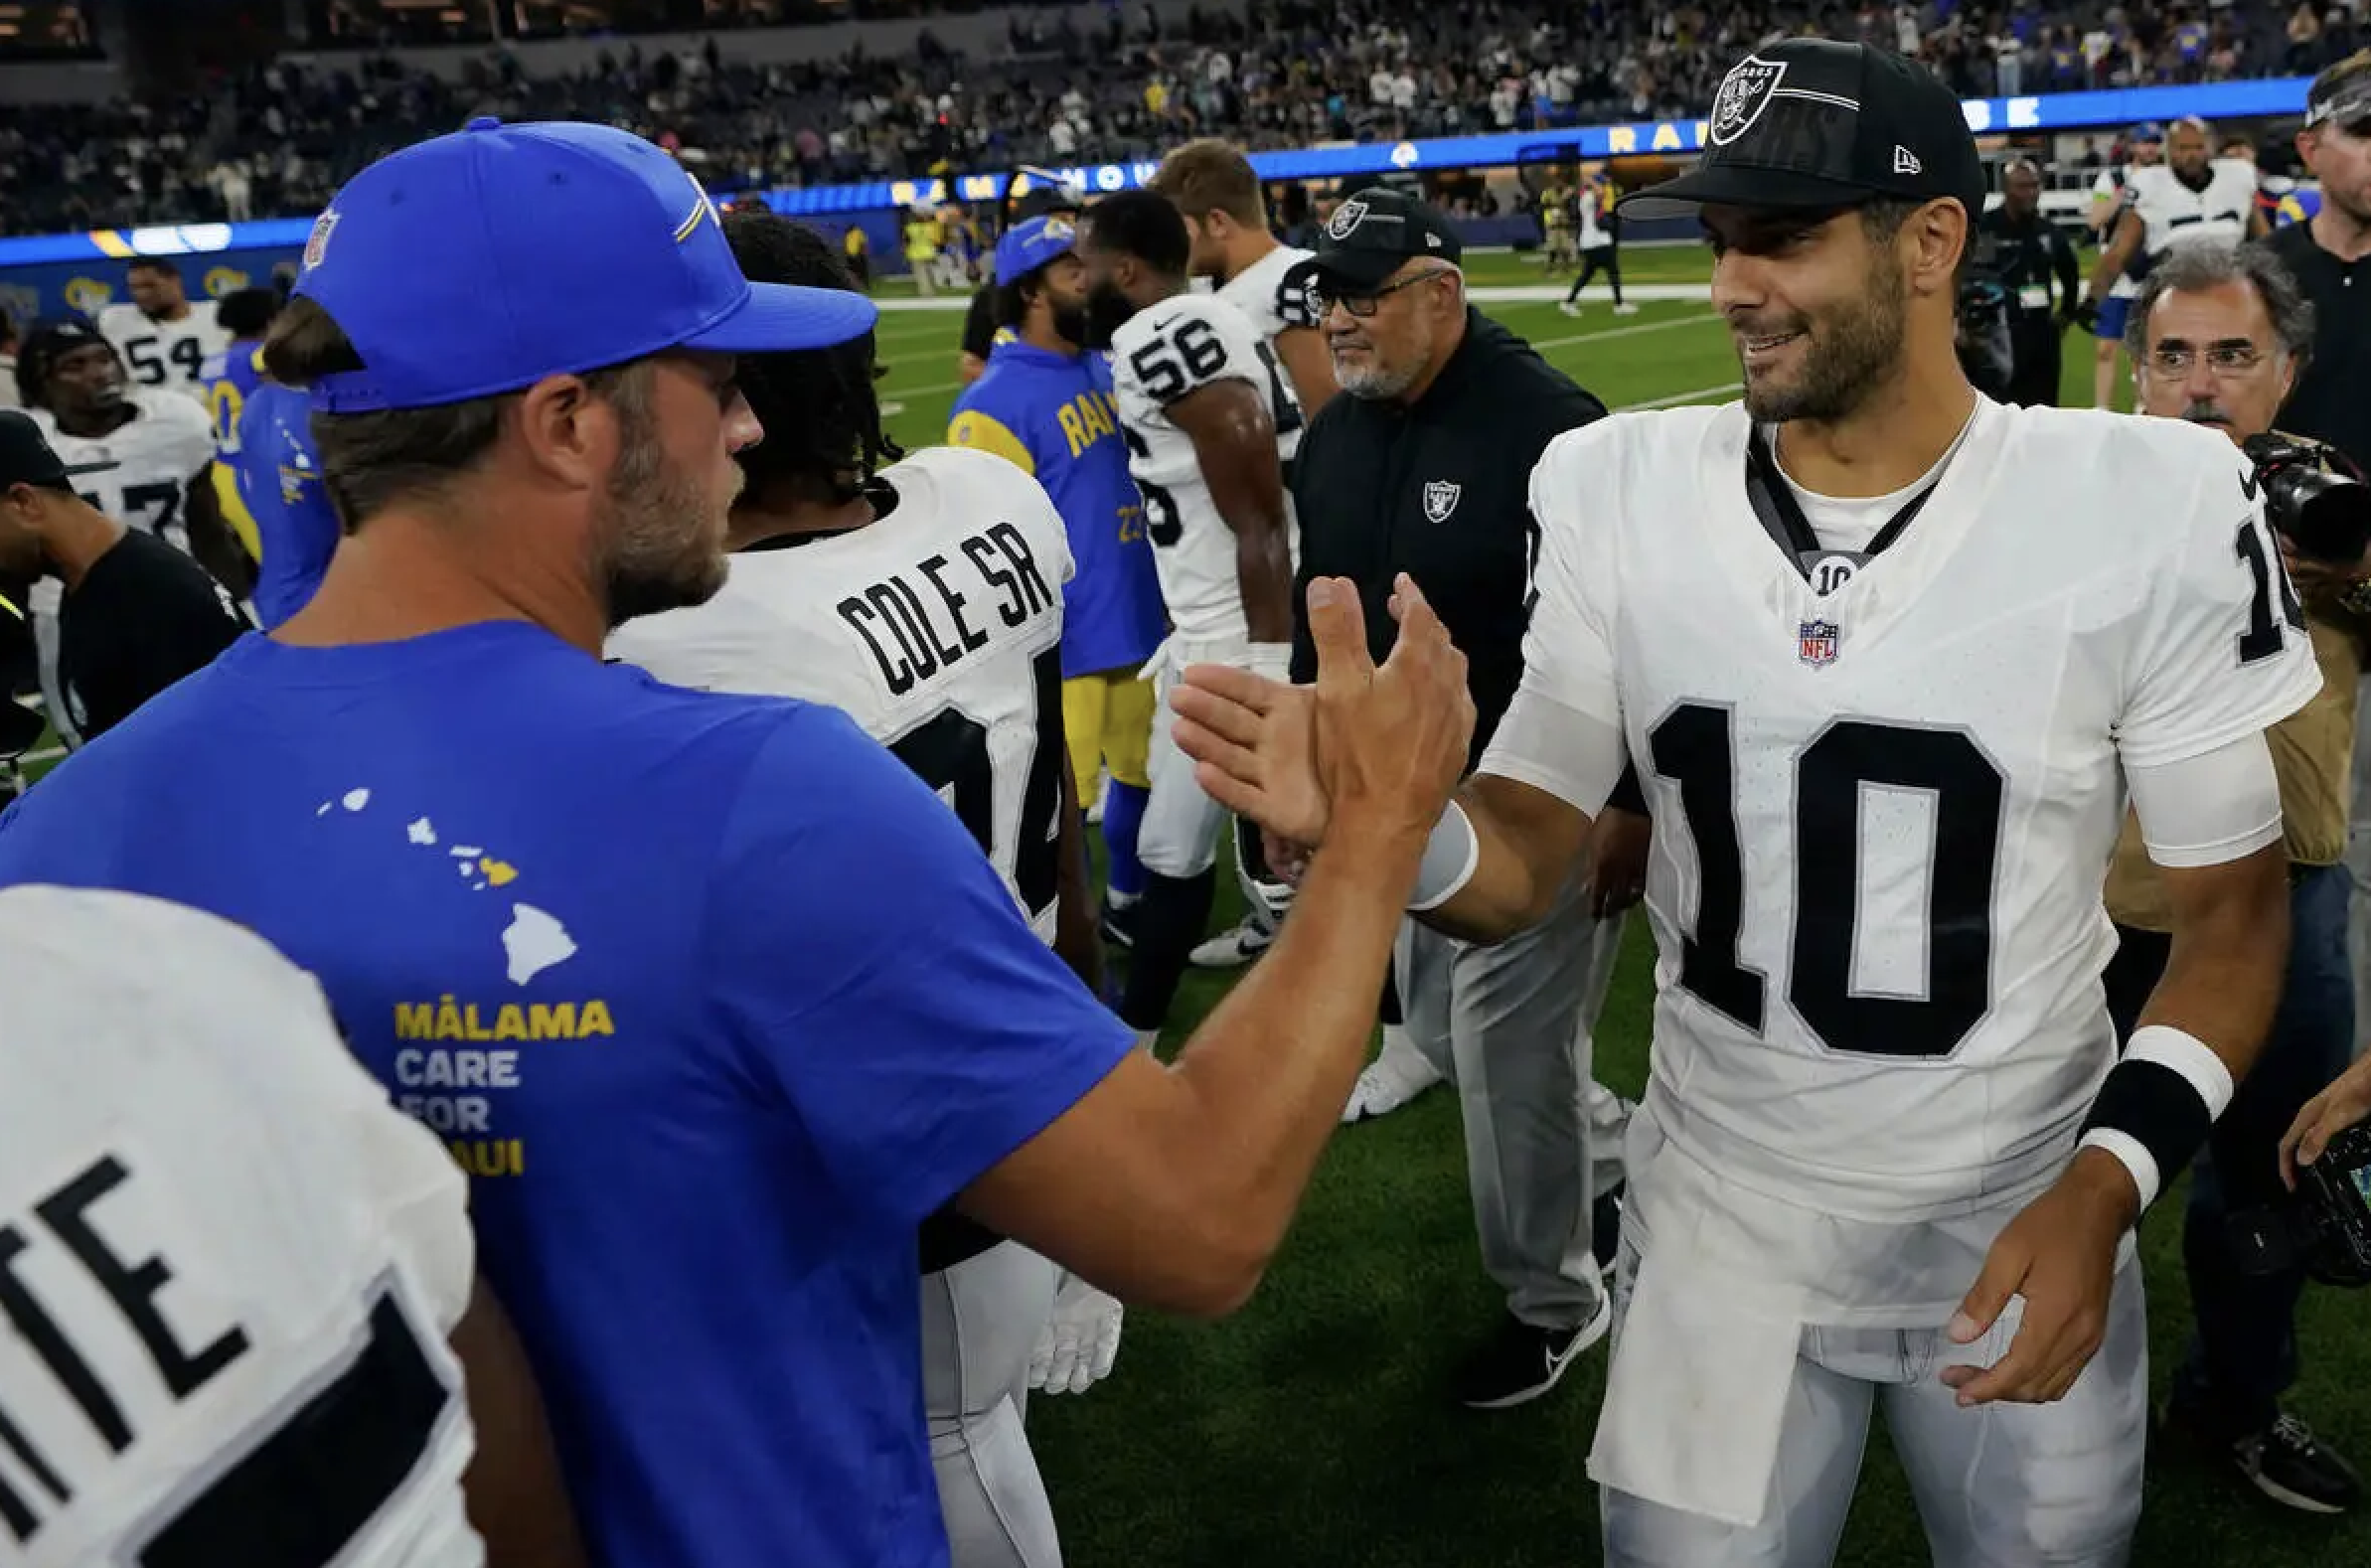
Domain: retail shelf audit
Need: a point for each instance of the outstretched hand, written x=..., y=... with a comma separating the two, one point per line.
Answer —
x=1381, y=746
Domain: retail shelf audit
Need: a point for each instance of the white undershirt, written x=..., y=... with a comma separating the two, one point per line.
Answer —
x=1849, y=523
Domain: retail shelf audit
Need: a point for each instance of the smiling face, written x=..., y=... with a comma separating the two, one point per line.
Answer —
x=1384, y=340
x=1816, y=304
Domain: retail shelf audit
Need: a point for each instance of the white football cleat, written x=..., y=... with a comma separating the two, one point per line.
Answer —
x=1232, y=949
x=1626, y=310
x=1396, y=1076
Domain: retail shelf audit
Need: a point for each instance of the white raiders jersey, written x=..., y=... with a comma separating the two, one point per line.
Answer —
x=1272, y=306
x=1158, y=355
x=1883, y=815
x=937, y=628
x=167, y=355
x=139, y=473
x=231, y=1267
x=2176, y=215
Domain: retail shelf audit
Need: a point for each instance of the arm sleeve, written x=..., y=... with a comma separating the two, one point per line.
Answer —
x=2220, y=805
x=2217, y=655
x=879, y=975
x=1562, y=733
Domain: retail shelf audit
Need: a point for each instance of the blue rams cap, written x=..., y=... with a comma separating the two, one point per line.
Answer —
x=2146, y=131
x=1027, y=247
x=482, y=261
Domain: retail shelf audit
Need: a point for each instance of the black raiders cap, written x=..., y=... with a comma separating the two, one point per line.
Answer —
x=2347, y=100
x=1367, y=238
x=25, y=457
x=1804, y=122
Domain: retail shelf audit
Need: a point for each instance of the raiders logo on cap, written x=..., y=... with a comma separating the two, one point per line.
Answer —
x=1347, y=217
x=1744, y=93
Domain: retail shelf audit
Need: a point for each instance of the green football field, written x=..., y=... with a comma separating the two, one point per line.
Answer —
x=1313, y=1430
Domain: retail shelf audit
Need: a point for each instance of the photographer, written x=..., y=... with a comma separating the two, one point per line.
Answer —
x=2029, y=255
x=2218, y=335
x=1987, y=354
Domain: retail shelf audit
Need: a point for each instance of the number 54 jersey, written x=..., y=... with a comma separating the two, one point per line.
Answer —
x=1883, y=814
x=937, y=628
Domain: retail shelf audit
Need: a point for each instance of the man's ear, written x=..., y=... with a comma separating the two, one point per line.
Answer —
x=1944, y=239
x=568, y=435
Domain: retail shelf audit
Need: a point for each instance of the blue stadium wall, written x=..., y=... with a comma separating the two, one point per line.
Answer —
x=43, y=275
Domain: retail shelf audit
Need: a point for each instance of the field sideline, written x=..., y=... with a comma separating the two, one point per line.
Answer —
x=1313, y=1430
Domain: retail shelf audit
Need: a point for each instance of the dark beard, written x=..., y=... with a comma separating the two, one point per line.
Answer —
x=1071, y=324
x=1107, y=312
x=1848, y=357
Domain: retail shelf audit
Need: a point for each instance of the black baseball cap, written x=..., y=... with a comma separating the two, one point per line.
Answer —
x=2346, y=100
x=26, y=456
x=1806, y=123
x=1369, y=236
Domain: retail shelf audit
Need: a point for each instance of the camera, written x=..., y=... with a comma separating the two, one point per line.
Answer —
x=2316, y=505
x=2325, y=1227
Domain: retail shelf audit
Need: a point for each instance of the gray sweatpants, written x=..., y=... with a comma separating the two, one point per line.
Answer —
x=979, y=1322
x=1511, y=1027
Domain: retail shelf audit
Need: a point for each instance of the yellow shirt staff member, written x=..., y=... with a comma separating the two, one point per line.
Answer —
x=1045, y=406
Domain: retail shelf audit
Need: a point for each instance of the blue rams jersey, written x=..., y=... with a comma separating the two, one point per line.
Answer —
x=2298, y=207
x=1052, y=415
x=279, y=481
x=229, y=379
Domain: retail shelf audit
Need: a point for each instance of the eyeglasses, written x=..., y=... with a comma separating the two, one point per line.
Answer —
x=2222, y=359
x=1364, y=303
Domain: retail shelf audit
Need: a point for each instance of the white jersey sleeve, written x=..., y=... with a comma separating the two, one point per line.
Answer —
x=239, y=1258
x=937, y=628
x=1562, y=733
x=1160, y=357
x=1269, y=296
x=2222, y=651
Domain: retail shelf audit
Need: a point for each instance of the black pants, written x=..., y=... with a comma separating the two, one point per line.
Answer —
x=2243, y=1356
x=1607, y=256
x=2036, y=363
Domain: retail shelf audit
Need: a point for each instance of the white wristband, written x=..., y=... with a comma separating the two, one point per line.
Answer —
x=1274, y=661
x=1450, y=855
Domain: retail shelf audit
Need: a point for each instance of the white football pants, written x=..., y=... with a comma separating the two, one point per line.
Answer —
x=1509, y=1026
x=1996, y=1487
x=981, y=1319
x=1182, y=825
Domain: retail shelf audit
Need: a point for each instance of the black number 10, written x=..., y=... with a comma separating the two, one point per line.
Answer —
x=1693, y=747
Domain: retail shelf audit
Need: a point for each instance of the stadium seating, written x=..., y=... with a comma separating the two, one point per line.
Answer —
x=1116, y=85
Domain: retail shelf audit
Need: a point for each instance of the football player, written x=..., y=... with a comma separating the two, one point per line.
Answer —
x=1214, y=186
x=1888, y=1155
x=232, y=377
x=260, y=1345
x=2110, y=196
x=924, y=601
x=1202, y=402
x=165, y=339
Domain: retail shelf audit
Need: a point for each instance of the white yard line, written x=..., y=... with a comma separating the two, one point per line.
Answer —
x=1676, y=399
x=1625, y=332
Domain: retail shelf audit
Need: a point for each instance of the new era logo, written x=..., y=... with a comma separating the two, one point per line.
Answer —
x=1905, y=161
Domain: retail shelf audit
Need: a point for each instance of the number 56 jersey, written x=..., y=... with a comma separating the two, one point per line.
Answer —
x=937, y=628
x=1883, y=815
x=1159, y=357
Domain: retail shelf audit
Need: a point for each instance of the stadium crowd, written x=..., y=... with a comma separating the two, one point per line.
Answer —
x=278, y=139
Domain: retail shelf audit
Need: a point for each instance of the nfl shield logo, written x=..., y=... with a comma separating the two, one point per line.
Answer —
x=1440, y=497
x=317, y=242
x=1744, y=93
x=1815, y=643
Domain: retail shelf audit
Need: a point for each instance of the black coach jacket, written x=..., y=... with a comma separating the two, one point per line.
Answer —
x=1440, y=491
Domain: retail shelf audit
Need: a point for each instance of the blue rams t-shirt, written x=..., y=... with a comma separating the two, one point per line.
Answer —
x=279, y=479
x=711, y=996
x=1052, y=415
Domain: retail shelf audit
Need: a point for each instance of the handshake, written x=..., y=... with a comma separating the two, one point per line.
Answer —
x=1369, y=754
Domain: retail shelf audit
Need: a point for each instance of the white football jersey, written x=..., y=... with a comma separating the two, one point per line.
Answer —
x=2176, y=215
x=1158, y=355
x=938, y=628
x=232, y=1268
x=168, y=355
x=1272, y=306
x=139, y=473
x=1883, y=815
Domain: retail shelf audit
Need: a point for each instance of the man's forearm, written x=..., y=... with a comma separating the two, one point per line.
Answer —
x=1264, y=576
x=1525, y=842
x=2223, y=975
x=1272, y=1066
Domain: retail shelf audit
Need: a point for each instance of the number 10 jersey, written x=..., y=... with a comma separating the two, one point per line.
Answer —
x=937, y=628
x=1883, y=815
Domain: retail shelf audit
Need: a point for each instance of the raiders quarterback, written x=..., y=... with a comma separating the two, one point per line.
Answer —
x=1202, y=408
x=162, y=336
x=926, y=601
x=1888, y=1156
x=241, y=1284
x=2189, y=197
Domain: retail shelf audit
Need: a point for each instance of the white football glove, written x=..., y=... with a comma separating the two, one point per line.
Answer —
x=1080, y=1340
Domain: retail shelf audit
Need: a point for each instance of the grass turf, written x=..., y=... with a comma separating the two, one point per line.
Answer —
x=1314, y=1429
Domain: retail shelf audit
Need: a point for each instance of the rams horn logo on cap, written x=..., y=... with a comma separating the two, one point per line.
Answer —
x=1345, y=218
x=1744, y=93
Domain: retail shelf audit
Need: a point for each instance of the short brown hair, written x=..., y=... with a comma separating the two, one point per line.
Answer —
x=370, y=461
x=1213, y=176
x=2333, y=78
